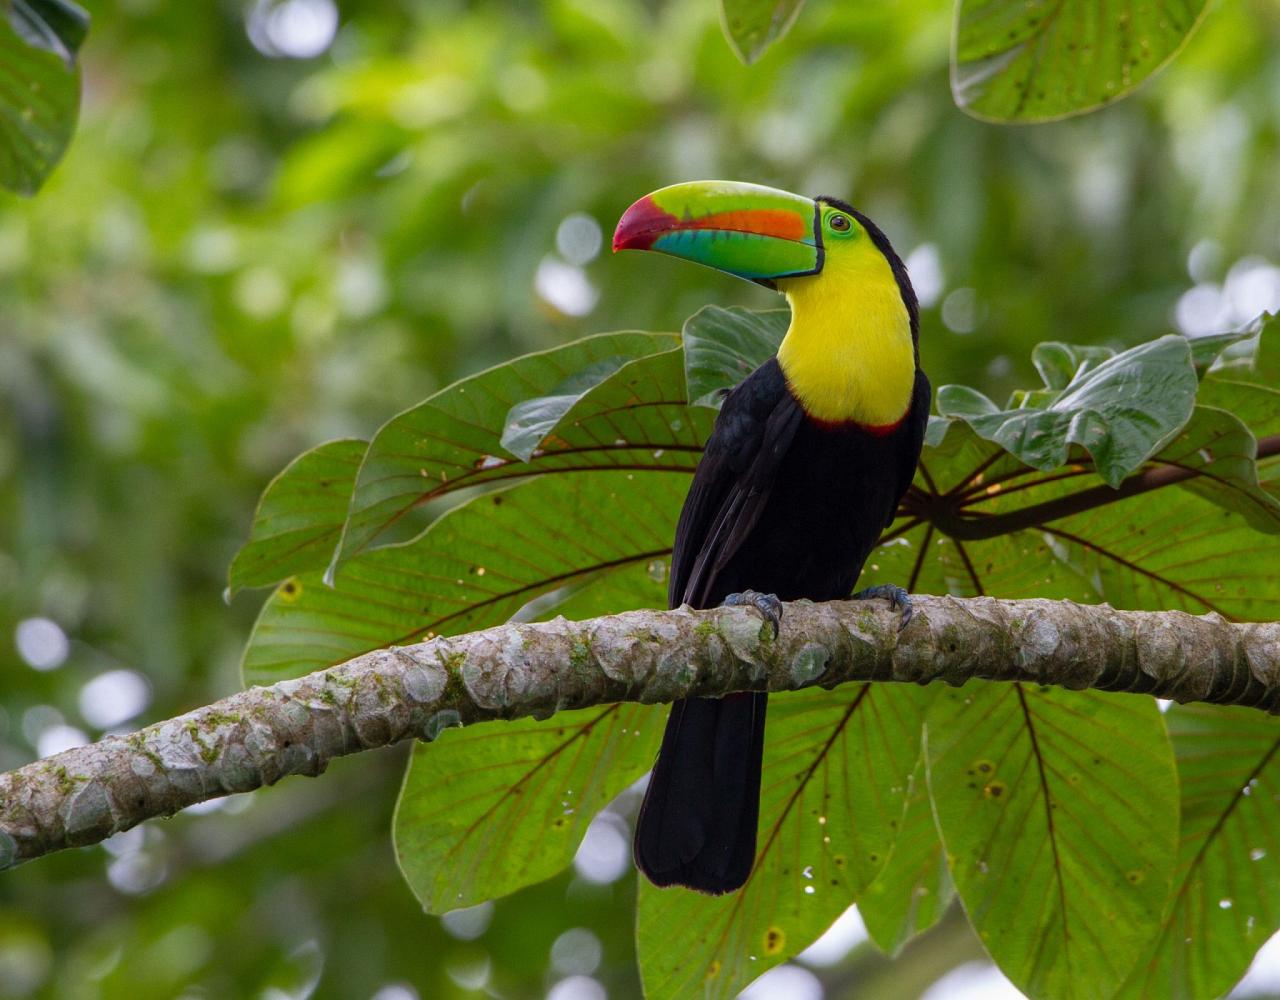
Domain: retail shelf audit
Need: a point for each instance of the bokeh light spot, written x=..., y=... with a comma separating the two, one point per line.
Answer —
x=840, y=938
x=577, y=988
x=576, y=952
x=292, y=29
x=924, y=265
x=1202, y=310
x=114, y=697
x=565, y=287
x=960, y=311
x=41, y=643
x=973, y=981
x=786, y=982
x=58, y=738
x=605, y=853
x=579, y=239
x=468, y=923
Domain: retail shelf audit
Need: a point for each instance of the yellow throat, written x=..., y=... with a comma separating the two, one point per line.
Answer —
x=848, y=354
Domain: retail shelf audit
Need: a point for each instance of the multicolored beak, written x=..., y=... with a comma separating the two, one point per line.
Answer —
x=754, y=232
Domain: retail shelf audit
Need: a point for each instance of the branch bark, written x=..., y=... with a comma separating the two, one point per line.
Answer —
x=259, y=736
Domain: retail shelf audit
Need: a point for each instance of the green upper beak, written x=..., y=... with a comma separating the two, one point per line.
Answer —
x=754, y=232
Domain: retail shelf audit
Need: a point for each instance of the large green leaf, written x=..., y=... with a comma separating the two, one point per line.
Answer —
x=39, y=96
x=1036, y=60
x=724, y=346
x=915, y=888
x=753, y=25
x=492, y=808
x=837, y=767
x=1121, y=411
x=531, y=421
x=474, y=567
x=454, y=439
x=1059, y=812
x=300, y=516
x=639, y=402
x=1226, y=898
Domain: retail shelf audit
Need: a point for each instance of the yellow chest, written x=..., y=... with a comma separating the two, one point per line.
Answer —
x=848, y=354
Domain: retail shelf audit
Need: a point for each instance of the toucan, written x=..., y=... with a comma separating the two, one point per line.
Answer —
x=804, y=469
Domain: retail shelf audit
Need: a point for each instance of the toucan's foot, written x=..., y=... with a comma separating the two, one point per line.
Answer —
x=768, y=605
x=898, y=599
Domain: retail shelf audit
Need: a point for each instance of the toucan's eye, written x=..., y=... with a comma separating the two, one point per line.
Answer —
x=840, y=223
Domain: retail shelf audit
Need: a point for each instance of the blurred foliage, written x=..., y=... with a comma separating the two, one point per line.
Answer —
x=246, y=254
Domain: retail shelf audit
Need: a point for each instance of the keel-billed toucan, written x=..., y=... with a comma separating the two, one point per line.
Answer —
x=806, y=465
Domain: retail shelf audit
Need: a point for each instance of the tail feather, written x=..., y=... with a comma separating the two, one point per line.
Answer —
x=697, y=827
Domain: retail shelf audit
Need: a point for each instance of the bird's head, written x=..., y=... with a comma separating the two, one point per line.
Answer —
x=771, y=237
x=850, y=353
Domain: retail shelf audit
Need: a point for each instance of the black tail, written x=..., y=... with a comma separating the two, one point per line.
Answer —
x=697, y=827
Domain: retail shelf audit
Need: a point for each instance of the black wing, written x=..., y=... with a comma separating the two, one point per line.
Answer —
x=916, y=423
x=732, y=484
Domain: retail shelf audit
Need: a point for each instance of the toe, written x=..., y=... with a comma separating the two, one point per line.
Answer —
x=771, y=608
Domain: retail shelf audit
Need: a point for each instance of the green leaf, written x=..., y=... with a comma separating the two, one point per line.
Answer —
x=531, y=420
x=1167, y=548
x=39, y=104
x=1226, y=894
x=639, y=401
x=1258, y=406
x=836, y=771
x=1262, y=365
x=1219, y=447
x=753, y=25
x=300, y=516
x=1206, y=350
x=724, y=346
x=1121, y=411
x=1164, y=549
x=1266, y=362
x=453, y=440
x=1058, y=363
x=57, y=26
x=474, y=567
x=915, y=888
x=1249, y=387
x=489, y=809
x=1058, y=810
x=1037, y=60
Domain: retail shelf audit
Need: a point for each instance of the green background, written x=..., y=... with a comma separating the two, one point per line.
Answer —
x=246, y=254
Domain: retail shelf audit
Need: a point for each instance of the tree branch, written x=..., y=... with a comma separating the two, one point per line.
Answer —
x=945, y=512
x=259, y=736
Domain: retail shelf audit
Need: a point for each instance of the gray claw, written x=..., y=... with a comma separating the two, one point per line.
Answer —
x=768, y=605
x=898, y=599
